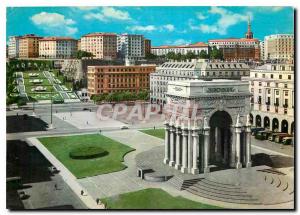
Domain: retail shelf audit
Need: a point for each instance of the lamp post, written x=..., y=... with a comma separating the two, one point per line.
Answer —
x=51, y=124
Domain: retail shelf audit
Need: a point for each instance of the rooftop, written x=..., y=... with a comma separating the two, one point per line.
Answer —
x=95, y=34
x=194, y=45
x=56, y=38
x=234, y=40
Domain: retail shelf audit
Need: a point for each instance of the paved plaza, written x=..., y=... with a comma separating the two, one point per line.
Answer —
x=88, y=120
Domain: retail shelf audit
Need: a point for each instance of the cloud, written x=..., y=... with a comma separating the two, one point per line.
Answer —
x=147, y=28
x=54, y=23
x=178, y=42
x=169, y=27
x=87, y=8
x=225, y=21
x=200, y=16
x=107, y=14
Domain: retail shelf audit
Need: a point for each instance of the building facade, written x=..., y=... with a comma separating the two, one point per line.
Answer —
x=29, y=46
x=57, y=47
x=272, y=101
x=131, y=46
x=109, y=79
x=101, y=45
x=195, y=48
x=176, y=71
x=211, y=125
x=13, y=46
x=247, y=48
x=147, y=45
x=279, y=47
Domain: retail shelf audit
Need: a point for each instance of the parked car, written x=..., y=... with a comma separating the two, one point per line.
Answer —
x=124, y=127
x=255, y=130
x=279, y=137
x=287, y=141
x=273, y=135
x=53, y=169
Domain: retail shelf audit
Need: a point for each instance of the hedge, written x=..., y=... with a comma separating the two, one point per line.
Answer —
x=87, y=152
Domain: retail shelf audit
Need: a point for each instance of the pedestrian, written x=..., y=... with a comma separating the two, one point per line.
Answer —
x=17, y=114
x=97, y=200
x=56, y=111
x=87, y=122
x=154, y=127
x=55, y=186
x=100, y=131
x=81, y=192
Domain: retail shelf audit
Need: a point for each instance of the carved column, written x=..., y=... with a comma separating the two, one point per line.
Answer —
x=172, y=145
x=184, y=168
x=190, y=147
x=178, y=147
x=238, y=130
x=226, y=142
x=195, y=169
x=167, y=143
x=248, y=142
x=232, y=147
x=206, y=130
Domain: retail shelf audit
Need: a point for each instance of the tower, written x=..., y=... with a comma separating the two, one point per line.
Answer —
x=249, y=34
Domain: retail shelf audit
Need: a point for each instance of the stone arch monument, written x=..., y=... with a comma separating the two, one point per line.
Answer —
x=207, y=122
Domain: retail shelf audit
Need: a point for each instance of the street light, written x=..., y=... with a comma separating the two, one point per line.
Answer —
x=51, y=124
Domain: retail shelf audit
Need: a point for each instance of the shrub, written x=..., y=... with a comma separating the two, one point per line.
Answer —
x=87, y=152
x=58, y=101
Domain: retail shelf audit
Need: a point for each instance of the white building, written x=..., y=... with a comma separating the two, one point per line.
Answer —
x=13, y=46
x=175, y=71
x=279, y=47
x=57, y=47
x=272, y=103
x=262, y=50
x=131, y=46
x=196, y=48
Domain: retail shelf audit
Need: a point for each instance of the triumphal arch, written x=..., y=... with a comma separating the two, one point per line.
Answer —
x=207, y=124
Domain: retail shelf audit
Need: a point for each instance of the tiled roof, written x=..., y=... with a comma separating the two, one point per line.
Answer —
x=195, y=45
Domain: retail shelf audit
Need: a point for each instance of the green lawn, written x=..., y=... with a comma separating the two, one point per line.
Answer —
x=40, y=76
x=152, y=198
x=45, y=96
x=61, y=146
x=160, y=133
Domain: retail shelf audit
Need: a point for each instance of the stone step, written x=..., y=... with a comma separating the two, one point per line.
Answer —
x=221, y=193
x=251, y=201
x=222, y=185
x=208, y=186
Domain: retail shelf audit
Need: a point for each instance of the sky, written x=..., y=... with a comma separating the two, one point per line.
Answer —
x=163, y=25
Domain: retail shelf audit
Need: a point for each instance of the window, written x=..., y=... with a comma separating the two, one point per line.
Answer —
x=255, y=75
x=271, y=75
x=280, y=76
x=277, y=92
x=269, y=91
x=259, y=83
x=289, y=77
x=259, y=90
x=286, y=93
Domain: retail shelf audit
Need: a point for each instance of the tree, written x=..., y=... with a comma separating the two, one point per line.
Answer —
x=203, y=55
x=190, y=55
x=216, y=54
x=171, y=55
x=80, y=54
x=150, y=56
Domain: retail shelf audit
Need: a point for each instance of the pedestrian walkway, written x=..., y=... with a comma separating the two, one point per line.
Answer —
x=68, y=177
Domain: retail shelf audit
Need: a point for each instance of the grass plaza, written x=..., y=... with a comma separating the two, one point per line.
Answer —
x=60, y=147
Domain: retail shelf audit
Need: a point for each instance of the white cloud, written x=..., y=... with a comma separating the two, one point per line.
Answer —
x=108, y=13
x=169, y=27
x=87, y=8
x=200, y=16
x=226, y=20
x=54, y=23
x=51, y=19
x=146, y=28
x=178, y=42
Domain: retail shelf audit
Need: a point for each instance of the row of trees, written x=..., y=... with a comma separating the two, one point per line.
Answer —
x=121, y=96
x=81, y=54
x=213, y=54
x=22, y=65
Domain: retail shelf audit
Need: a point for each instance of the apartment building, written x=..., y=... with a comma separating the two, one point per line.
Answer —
x=13, y=46
x=101, y=45
x=272, y=103
x=29, y=46
x=147, y=45
x=247, y=48
x=131, y=46
x=195, y=48
x=279, y=46
x=57, y=47
x=109, y=79
x=198, y=69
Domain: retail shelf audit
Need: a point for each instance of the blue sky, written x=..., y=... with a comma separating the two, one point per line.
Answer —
x=163, y=25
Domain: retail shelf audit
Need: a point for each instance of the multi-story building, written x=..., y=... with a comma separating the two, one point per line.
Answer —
x=13, y=46
x=196, y=48
x=176, y=71
x=262, y=50
x=78, y=44
x=101, y=45
x=109, y=79
x=272, y=103
x=57, y=47
x=131, y=46
x=147, y=45
x=279, y=47
x=246, y=48
x=29, y=46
